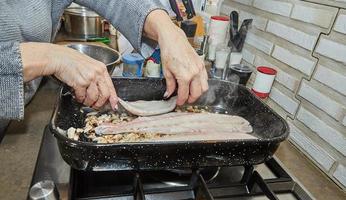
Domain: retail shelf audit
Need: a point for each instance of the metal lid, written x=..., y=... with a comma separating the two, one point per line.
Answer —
x=44, y=190
x=81, y=11
x=132, y=58
x=241, y=68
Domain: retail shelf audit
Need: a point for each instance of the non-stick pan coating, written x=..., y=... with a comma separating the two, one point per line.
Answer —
x=222, y=97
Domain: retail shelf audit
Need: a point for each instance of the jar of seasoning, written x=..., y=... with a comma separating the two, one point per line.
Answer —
x=132, y=65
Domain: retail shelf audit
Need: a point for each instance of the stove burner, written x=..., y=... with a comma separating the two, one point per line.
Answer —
x=166, y=185
x=181, y=177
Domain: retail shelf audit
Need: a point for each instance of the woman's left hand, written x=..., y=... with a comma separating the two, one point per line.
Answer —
x=181, y=64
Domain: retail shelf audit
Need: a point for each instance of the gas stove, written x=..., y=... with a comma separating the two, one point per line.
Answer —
x=265, y=181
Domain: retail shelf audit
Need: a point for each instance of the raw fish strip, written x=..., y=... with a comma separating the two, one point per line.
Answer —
x=149, y=108
x=185, y=126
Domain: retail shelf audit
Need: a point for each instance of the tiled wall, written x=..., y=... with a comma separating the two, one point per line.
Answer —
x=306, y=43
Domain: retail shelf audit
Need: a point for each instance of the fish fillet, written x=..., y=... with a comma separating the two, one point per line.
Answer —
x=149, y=108
x=185, y=126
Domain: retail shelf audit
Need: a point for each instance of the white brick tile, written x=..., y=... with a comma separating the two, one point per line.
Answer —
x=282, y=76
x=294, y=60
x=328, y=133
x=332, y=49
x=340, y=24
x=331, y=78
x=293, y=35
x=315, y=151
x=321, y=101
x=246, y=2
x=259, y=43
x=340, y=174
x=258, y=22
x=277, y=7
x=284, y=101
x=248, y=56
x=320, y=15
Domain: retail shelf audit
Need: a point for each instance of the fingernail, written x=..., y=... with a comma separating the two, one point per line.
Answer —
x=116, y=107
x=165, y=95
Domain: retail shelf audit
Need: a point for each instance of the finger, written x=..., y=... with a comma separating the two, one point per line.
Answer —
x=170, y=84
x=204, y=81
x=80, y=94
x=183, y=91
x=113, y=98
x=92, y=95
x=104, y=94
x=195, y=89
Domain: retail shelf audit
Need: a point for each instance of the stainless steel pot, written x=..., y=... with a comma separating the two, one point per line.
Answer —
x=82, y=22
x=108, y=56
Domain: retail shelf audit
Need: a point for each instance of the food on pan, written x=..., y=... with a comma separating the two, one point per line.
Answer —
x=149, y=108
x=191, y=123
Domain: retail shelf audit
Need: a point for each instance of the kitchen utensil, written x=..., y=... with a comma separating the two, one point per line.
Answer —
x=238, y=73
x=108, y=56
x=83, y=23
x=232, y=31
x=175, y=9
x=239, y=38
x=132, y=65
x=264, y=80
x=189, y=9
x=221, y=97
x=235, y=20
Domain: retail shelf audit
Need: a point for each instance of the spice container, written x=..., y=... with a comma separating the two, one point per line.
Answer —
x=152, y=69
x=132, y=65
x=263, y=82
x=217, y=34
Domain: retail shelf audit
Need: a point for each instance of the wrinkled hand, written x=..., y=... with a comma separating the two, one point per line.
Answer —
x=88, y=77
x=182, y=65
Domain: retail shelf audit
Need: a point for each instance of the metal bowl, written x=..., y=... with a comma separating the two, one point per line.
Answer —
x=108, y=56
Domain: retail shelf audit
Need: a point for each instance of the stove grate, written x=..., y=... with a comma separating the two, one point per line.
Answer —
x=87, y=185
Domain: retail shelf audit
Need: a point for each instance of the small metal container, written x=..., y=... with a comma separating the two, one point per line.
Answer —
x=82, y=22
x=108, y=56
x=238, y=73
x=44, y=190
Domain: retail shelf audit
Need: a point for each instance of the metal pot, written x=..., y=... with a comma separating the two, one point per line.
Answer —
x=108, y=56
x=82, y=22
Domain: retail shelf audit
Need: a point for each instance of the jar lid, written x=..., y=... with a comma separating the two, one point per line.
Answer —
x=132, y=58
x=241, y=68
x=81, y=11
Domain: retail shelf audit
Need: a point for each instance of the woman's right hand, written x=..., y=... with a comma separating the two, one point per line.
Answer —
x=89, y=78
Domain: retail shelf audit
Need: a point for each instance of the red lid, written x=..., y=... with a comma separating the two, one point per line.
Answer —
x=220, y=18
x=266, y=70
x=260, y=94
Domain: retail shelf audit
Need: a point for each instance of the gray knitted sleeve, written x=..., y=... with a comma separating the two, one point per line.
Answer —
x=11, y=81
x=128, y=16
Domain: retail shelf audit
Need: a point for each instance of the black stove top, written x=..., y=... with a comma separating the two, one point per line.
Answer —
x=265, y=181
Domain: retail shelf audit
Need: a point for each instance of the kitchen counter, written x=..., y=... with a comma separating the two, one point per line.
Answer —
x=18, y=153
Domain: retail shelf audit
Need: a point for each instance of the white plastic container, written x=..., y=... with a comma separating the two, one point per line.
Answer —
x=263, y=82
x=218, y=29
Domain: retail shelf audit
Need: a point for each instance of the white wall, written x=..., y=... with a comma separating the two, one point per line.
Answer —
x=306, y=43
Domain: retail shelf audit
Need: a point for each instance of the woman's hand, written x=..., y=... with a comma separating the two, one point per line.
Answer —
x=88, y=77
x=181, y=64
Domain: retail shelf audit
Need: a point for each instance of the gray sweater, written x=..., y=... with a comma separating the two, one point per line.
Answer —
x=38, y=21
